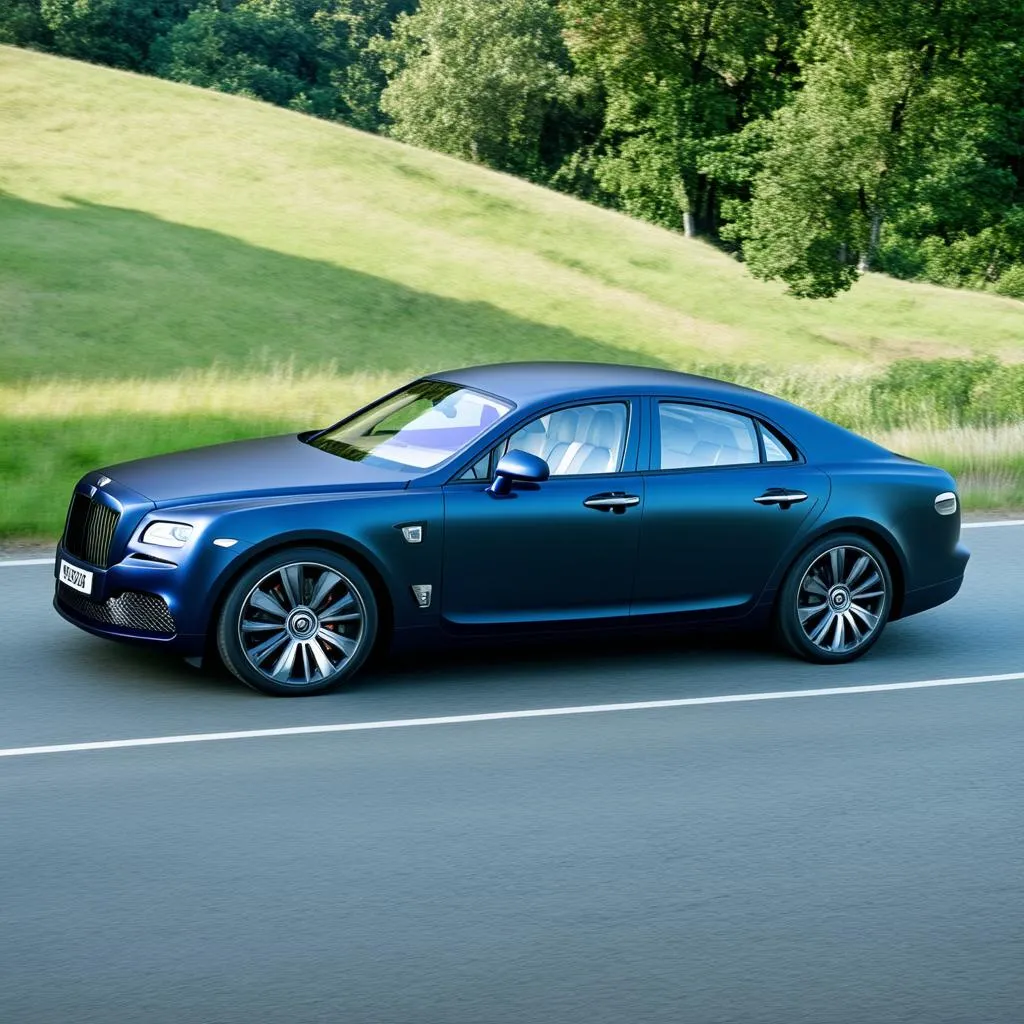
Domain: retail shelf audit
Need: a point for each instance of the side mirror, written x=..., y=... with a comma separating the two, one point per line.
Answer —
x=516, y=466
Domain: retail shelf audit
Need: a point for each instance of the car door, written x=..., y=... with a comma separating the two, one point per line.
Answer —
x=717, y=520
x=559, y=552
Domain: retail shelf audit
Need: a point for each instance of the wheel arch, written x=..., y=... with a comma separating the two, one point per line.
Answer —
x=332, y=542
x=877, y=535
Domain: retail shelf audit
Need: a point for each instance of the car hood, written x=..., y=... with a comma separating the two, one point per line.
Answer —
x=241, y=469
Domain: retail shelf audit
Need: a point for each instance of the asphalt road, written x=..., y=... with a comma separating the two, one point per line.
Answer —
x=844, y=858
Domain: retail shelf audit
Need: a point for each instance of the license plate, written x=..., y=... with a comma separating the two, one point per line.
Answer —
x=79, y=579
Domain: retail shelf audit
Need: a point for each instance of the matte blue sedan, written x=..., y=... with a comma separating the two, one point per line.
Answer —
x=511, y=499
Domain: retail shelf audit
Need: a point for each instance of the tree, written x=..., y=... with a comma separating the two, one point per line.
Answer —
x=115, y=32
x=681, y=76
x=304, y=54
x=895, y=112
x=475, y=80
x=22, y=24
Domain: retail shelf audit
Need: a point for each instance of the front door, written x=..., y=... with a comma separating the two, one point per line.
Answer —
x=559, y=552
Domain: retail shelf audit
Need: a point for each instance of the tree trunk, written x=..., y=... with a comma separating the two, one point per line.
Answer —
x=867, y=257
x=689, y=224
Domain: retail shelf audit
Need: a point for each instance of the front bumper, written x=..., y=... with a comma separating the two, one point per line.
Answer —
x=140, y=600
x=130, y=602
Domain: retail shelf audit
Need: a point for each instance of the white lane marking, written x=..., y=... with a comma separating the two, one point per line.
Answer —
x=497, y=716
x=993, y=522
x=26, y=561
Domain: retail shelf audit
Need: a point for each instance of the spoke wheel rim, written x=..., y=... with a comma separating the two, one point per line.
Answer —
x=301, y=624
x=841, y=599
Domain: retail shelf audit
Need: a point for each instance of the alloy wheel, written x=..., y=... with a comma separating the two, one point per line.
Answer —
x=841, y=599
x=301, y=624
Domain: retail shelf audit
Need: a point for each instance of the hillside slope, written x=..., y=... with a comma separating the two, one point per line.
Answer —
x=148, y=227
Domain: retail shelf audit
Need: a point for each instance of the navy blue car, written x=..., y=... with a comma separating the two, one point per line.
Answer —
x=516, y=498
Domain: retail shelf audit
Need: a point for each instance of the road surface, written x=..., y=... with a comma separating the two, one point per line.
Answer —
x=832, y=858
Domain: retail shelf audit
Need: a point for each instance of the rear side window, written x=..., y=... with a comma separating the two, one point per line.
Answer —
x=775, y=449
x=695, y=437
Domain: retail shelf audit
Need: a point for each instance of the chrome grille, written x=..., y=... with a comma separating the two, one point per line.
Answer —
x=90, y=530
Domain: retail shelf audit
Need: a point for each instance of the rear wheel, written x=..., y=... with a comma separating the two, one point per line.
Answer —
x=297, y=623
x=835, y=600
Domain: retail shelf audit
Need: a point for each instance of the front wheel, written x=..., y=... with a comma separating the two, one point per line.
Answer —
x=835, y=600
x=298, y=622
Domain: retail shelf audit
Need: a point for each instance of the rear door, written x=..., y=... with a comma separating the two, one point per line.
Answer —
x=726, y=497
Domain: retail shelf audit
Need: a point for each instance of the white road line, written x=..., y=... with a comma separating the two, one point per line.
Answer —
x=992, y=522
x=497, y=716
x=26, y=561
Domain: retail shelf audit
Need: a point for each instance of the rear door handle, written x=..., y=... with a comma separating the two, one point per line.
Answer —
x=612, y=502
x=780, y=496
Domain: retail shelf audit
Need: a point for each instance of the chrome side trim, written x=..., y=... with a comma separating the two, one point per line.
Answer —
x=946, y=503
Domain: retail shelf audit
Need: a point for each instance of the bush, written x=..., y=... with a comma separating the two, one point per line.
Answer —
x=1011, y=283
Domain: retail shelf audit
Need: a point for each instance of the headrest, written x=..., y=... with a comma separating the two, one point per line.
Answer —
x=717, y=433
x=563, y=426
x=602, y=432
x=680, y=437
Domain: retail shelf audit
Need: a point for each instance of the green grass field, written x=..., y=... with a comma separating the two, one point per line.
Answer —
x=165, y=251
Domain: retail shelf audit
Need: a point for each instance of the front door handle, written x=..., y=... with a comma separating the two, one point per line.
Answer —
x=780, y=496
x=612, y=502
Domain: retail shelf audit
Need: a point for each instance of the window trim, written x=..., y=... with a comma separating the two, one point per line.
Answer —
x=630, y=462
x=654, y=432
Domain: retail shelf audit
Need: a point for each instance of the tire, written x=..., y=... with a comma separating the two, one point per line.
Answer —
x=835, y=600
x=298, y=622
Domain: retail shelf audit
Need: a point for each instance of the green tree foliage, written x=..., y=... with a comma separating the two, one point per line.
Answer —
x=477, y=80
x=115, y=32
x=682, y=77
x=22, y=24
x=896, y=122
x=275, y=50
x=819, y=137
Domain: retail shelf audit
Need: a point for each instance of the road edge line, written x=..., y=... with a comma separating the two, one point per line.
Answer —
x=495, y=716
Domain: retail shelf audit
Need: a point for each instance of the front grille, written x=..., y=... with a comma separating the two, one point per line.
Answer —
x=147, y=613
x=90, y=530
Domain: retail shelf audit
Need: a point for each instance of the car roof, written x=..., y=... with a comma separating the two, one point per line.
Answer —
x=532, y=382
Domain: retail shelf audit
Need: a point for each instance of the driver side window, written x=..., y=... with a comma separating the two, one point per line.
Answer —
x=582, y=439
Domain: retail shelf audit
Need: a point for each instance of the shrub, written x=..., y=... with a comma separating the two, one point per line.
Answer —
x=1011, y=282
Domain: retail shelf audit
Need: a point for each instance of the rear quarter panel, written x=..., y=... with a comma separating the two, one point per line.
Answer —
x=893, y=501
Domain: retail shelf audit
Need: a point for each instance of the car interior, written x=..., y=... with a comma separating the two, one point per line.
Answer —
x=694, y=437
x=583, y=439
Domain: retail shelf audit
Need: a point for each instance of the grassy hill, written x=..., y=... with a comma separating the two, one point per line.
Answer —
x=187, y=244
x=149, y=227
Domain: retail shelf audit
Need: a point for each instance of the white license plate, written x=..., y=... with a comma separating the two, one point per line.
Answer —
x=80, y=579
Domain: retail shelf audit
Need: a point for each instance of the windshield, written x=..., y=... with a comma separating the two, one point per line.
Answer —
x=416, y=429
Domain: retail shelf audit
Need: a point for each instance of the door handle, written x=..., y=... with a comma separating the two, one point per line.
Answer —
x=612, y=502
x=780, y=496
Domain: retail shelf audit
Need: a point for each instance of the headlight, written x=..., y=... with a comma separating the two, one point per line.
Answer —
x=167, y=535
